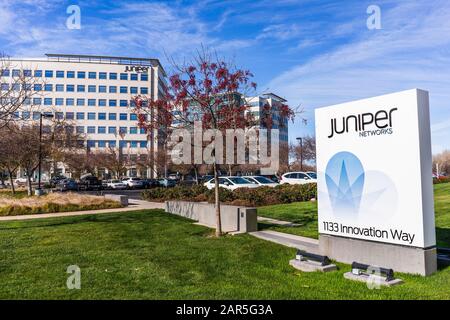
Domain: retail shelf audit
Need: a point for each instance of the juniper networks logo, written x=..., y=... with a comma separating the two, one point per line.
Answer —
x=365, y=124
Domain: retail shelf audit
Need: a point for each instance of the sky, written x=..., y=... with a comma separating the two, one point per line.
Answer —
x=312, y=52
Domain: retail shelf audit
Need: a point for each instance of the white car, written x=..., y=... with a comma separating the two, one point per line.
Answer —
x=297, y=178
x=261, y=181
x=116, y=184
x=133, y=183
x=231, y=183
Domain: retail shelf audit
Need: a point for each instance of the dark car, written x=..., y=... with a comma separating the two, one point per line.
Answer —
x=272, y=177
x=66, y=185
x=55, y=180
x=89, y=183
x=206, y=178
x=150, y=183
x=167, y=183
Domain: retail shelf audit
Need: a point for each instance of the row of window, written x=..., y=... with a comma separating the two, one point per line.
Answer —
x=71, y=88
x=81, y=116
x=78, y=102
x=109, y=130
x=73, y=74
x=113, y=144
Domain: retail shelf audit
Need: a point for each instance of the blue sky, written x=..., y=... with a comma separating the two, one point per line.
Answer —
x=313, y=52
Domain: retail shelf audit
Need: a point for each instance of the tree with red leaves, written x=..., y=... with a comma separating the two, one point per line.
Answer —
x=207, y=90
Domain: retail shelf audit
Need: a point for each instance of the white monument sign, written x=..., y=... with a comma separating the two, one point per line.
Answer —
x=375, y=170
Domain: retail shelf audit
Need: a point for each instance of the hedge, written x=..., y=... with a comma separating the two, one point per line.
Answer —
x=244, y=196
x=441, y=180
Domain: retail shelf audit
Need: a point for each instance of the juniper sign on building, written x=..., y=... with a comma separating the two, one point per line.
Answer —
x=374, y=182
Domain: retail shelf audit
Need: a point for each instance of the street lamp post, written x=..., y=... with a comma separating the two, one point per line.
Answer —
x=300, y=140
x=47, y=116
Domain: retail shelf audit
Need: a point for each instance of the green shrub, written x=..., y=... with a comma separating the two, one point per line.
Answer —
x=242, y=196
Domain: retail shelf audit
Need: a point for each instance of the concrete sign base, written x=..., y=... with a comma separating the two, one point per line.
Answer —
x=399, y=258
x=311, y=266
x=372, y=279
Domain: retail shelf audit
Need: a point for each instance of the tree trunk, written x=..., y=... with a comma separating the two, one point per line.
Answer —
x=29, y=186
x=196, y=174
x=13, y=190
x=217, y=203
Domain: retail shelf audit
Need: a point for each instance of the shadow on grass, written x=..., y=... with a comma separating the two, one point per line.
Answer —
x=443, y=237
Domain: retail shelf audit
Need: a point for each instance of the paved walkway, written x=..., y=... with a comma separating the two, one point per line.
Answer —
x=134, y=205
x=277, y=222
x=289, y=240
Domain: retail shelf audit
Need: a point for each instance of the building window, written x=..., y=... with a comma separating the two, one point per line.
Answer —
x=60, y=74
x=144, y=76
x=123, y=116
x=91, y=143
x=36, y=115
x=123, y=103
x=112, y=144
x=123, y=130
x=70, y=74
x=133, y=117
x=38, y=87
x=112, y=116
x=123, y=89
x=26, y=115
x=59, y=87
x=101, y=130
x=81, y=88
x=102, y=75
x=113, y=103
x=102, y=102
x=80, y=129
x=143, y=144
x=124, y=76
x=133, y=130
x=102, y=89
x=91, y=102
x=122, y=144
x=59, y=101
x=91, y=88
x=142, y=131
x=59, y=115
x=69, y=116
x=91, y=115
x=112, y=89
x=27, y=73
x=80, y=102
x=134, y=144
x=48, y=101
x=81, y=75
x=144, y=90
x=16, y=73
x=101, y=143
x=37, y=101
x=112, y=76
x=16, y=87
x=48, y=87
x=134, y=77
x=102, y=116
x=80, y=115
x=92, y=75
x=91, y=129
x=48, y=73
x=133, y=90
x=70, y=102
x=38, y=73
x=112, y=130
x=70, y=88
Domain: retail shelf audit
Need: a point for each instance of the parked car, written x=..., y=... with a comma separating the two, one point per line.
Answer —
x=296, y=178
x=272, y=177
x=67, y=185
x=206, y=178
x=231, y=183
x=89, y=182
x=54, y=180
x=150, y=183
x=312, y=175
x=167, y=183
x=133, y=183
x=115, y=184
x=21, y=181
x=261, y=181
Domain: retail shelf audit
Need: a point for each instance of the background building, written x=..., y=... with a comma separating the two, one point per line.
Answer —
x=95, y=93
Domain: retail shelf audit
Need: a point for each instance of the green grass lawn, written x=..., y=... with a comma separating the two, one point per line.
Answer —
x=153, y=255
x=305, y=214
